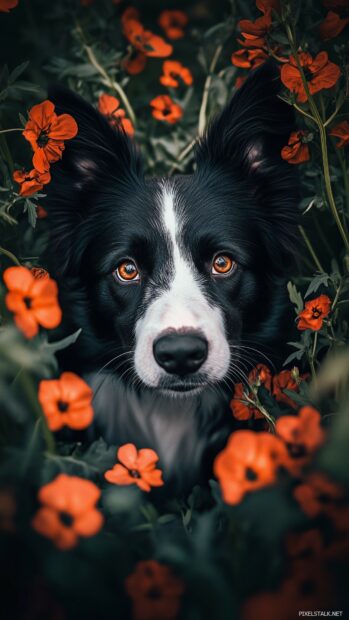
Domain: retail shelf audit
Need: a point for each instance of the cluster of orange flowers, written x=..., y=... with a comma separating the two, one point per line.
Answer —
x=46, y=132
x=7, y=5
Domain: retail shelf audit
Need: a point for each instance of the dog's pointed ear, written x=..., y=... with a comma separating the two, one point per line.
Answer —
x=245, y=140
x=100, y=160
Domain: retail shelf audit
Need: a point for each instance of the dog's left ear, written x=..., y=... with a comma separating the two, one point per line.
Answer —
x=245, y=140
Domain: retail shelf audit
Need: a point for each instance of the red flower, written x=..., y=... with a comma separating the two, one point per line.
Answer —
x=341, y=131
x=314, y=313
x=66, y=402
x=143, y=40
x=249, y=462
x=332, y=25
x=173, y=23
x=138, y=467
x=249, y=59
x=155, y=591
x=165, y=109
x=135, y=62
x=239, y=81
x=254, y=32
x=317, y=494
x=285, y=380
x=172, y=70
x=7, y=5
x=33, y=302
x=68, y=511
x=41, y=213
x=46, y=133
x=320, y=73
x=31, y=182
x=297, y=151
x=268, y=5
x=260, y=375
x=40, y=273
x=302, y=435
x=109, y=107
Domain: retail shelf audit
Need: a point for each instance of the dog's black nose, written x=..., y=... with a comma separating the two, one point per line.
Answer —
x=180, y=354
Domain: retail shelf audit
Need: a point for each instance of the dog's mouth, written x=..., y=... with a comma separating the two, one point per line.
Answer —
x=184, y=386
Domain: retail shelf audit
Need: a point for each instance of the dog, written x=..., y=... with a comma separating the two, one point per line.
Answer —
x=177, y=283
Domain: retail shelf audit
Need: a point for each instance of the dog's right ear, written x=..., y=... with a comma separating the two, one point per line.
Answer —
x=97, y=160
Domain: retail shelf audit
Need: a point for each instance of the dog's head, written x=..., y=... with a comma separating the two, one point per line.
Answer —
x=167, y=276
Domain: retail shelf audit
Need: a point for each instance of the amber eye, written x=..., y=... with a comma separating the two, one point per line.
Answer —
x=127, y=271
x=223, y=265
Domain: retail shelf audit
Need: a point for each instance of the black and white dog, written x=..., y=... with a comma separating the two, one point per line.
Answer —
x=176, y=282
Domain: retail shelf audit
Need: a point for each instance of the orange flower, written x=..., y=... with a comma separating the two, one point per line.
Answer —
x=249, y=462
x=66, y=402
x=302, y=435
x=135, y=62
x=314, y=313
x=319, y=72
x=297, y=151
x=109, y=107
x=249, y=59
x=243, y=410
x=173, y=70
x=143, y=40
x=285, y=380
x=68, y=511
x=7, y=5
x=46, y=133
x=317, y=494
x=33, y=302
x=155, y=591
x=268, y=5
x=165, y=109
x=173, y=23
x=254, y=32
x=341, y=131
x=332, y=25
x=31, y=182
x=138, y=467
x=260, y=375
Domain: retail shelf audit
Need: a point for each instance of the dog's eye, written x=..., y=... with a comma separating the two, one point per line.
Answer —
x=223, y=265
x=127, y=271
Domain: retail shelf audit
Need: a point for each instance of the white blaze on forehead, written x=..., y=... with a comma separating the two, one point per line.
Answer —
x=182, y=305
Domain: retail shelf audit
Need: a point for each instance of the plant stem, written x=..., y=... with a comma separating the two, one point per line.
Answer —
x=323, y=141
x=31, y=396
x=10, y=256
x=183, y=154
x=312, y=356
x=8, y=130
x=108, y=80
x=203, y=107
x=311, y=249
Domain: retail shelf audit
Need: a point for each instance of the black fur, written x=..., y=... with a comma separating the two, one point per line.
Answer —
x=241, y=197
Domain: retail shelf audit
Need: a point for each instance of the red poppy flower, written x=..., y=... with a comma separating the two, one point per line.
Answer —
x=332, y=25
x=302, y=435
x=172, y=70
x=135, y=62
x=268, y=5
x=31, y=182
x=68, y=511
x=315, y=311
x=341, y=131
x=165, y=109
x=285, y=380
x=320, y=73
x=46, y=132
x=66, y=402
x=296, y=152
x=143, y=40
x=249, y=59
x=173, y=23
x=33, y=302
x=138, y=467
x=109, y=107
x=254, y=32
x=317, y=494
x=260, y=375
x=249, y=462
x=243, y=410
x=155, y=591
x=7, y=5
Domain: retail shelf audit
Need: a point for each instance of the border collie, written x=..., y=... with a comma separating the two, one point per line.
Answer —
x=176, y=282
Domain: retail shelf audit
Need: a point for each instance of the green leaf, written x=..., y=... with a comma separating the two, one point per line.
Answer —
x=295, y=297
x=52, y=347
x=30, y=208
x=17, y=71
x=322, y=279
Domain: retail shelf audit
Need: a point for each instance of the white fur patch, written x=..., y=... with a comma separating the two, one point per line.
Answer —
x=183, y=305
